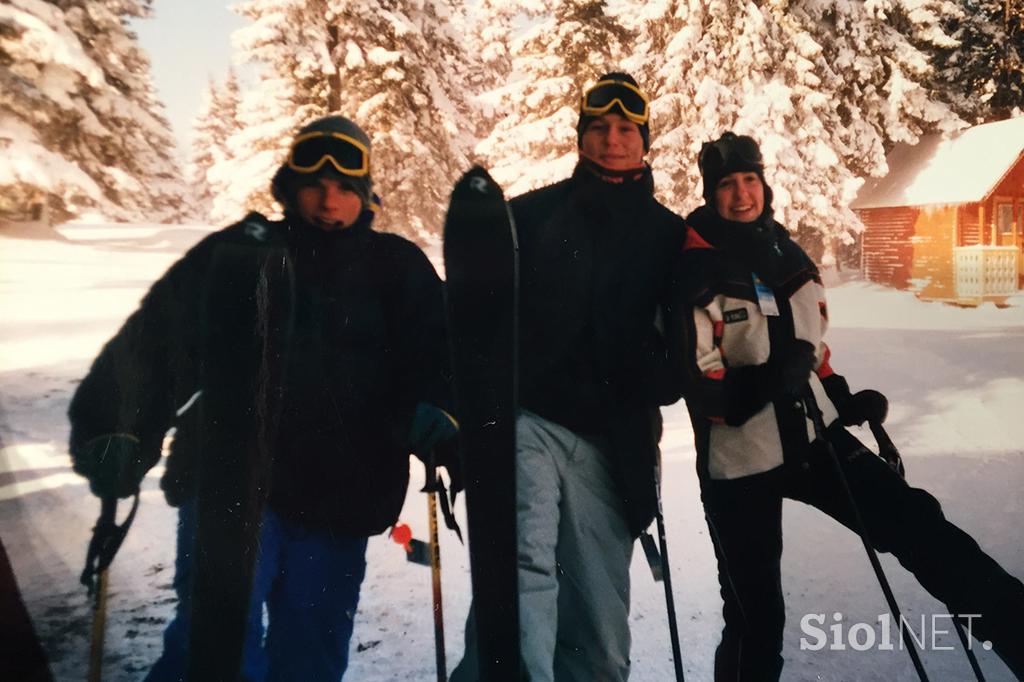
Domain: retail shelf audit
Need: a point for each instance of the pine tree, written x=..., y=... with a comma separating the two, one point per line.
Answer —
x=825, y=87
x=564, y=48
x=395, y=68
x=85, y=129
x=38, y=154
x=213, y=126
x=983, y=73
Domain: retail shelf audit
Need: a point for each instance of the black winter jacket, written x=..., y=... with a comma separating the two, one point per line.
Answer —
x=358, y=339
x=595, y=266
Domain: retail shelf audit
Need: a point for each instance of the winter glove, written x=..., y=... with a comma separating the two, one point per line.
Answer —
x=113, y=464
x=792, y=368
x=747, y=389
x=430, y=426
x=870, y=406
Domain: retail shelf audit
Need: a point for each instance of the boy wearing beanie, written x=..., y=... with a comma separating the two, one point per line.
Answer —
x=314, y=354
x=595, y=253
x=756, y=375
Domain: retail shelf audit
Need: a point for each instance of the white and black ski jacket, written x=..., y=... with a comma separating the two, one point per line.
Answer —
x=722, y=330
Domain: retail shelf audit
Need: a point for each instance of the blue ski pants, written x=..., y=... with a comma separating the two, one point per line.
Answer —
x=309, y=582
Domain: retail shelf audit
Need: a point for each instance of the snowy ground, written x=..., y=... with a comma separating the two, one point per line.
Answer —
x=955, y=378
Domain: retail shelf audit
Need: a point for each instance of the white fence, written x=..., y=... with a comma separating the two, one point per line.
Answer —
x=985, y=272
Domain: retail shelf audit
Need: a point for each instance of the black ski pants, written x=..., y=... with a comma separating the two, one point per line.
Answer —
x=744, y=516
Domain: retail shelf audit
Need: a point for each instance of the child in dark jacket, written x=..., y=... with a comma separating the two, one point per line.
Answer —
x=300, y=362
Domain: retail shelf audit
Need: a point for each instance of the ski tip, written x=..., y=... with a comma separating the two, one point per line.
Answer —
x=478, y=183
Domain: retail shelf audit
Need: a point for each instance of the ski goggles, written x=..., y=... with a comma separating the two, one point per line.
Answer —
x=311, y=151
x=729, y=151
x=604, y=95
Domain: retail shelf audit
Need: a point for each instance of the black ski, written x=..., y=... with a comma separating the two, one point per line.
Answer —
x=481, y=264
x=245, y=333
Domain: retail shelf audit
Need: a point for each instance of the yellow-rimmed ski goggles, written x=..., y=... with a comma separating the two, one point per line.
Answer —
x=311, y=151
x=604, y=95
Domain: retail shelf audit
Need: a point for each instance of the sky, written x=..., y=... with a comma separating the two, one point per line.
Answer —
x=188, y=42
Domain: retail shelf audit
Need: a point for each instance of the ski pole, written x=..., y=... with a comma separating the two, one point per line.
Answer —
x=670, y=606
x=107, y=537
x=887, y=451
x=814, y=412
x=435, y=574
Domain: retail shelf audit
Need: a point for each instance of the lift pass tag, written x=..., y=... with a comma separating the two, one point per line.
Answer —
x=765, y=298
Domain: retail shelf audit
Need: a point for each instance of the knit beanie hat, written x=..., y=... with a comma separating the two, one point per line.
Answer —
x=731, y=153
x=321, y=144
x=585, y=120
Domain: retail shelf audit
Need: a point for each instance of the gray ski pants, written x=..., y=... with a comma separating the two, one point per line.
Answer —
x=574, y=554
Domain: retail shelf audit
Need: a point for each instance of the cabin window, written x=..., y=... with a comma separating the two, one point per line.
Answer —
x=1004, y=218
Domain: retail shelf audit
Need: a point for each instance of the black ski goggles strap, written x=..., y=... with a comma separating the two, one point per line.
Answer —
x=311, y=151
x=729, y=151
x=604, y=95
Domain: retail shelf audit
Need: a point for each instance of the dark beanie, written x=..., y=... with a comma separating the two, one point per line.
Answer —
x=285, y=180
x=731, y=153
x=584, y=121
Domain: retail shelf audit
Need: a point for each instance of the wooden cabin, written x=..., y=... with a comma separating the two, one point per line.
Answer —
x=947, y=222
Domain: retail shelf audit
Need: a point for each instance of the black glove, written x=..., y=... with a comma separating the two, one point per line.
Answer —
x=430, y=426
x=870, y=406
x=748, y=388
x=113, y=464
x=791, y=369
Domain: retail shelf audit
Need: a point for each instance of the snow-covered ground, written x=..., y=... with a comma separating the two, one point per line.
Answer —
x=955, y=378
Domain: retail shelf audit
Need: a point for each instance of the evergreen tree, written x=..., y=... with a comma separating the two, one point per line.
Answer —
x=564, y=48
x=395, y=68
x=38, y=156
x=983, y=72
x=83, y=127
x=825, y=87
x=213, y=126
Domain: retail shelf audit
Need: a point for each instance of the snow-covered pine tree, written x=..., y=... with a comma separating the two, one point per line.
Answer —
x=396, y=68
x=288, y=42
x=43, y=73
x=826, y=87
x=212, y=128
x=563, y=47
x=133, y=158
x=80, y=127
x=983, y=73
x=405, y=69
x=489, y=28
x=205, y=130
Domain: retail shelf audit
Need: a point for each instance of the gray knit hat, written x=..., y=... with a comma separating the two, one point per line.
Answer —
x=318, y=137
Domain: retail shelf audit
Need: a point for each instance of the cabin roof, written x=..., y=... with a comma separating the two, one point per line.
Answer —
x=959, y=169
